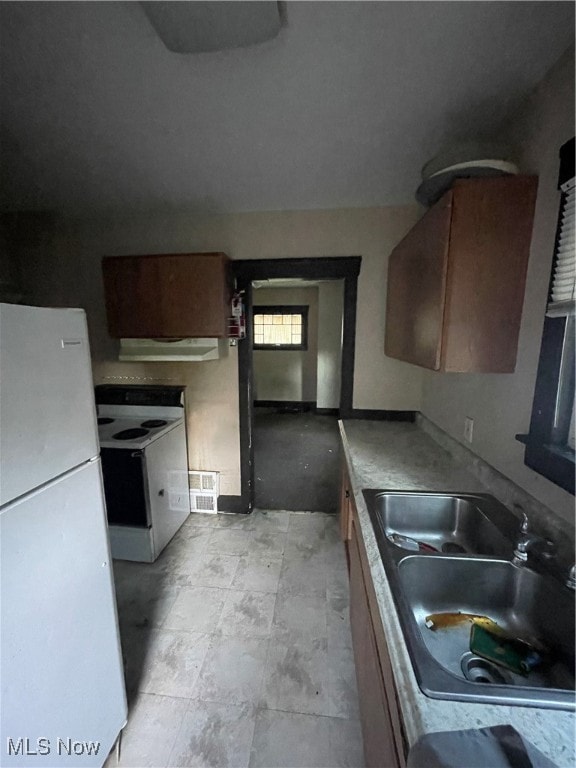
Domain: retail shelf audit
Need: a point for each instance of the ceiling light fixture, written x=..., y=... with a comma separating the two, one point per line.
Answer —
x=200, y=27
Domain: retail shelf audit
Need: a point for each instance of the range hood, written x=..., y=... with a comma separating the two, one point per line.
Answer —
x=169, y=350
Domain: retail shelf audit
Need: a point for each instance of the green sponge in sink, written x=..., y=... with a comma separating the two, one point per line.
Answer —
x=511, y=653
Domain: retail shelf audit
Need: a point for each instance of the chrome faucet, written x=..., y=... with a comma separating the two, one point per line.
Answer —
x=571, y=580
x=528, y=542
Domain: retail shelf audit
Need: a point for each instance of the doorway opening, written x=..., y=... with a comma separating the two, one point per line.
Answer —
x=296, y=374
x=296, y=356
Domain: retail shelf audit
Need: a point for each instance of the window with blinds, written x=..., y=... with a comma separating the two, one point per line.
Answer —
x=562, y=303
x=563, y=287
x=550, y=443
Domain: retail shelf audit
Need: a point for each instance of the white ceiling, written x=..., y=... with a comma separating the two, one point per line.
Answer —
x=342, y=108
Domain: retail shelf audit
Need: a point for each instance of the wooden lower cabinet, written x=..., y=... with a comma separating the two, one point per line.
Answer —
x=380, y=716
x=345, y=505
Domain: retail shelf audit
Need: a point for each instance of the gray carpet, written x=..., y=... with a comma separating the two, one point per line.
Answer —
x=296, y=461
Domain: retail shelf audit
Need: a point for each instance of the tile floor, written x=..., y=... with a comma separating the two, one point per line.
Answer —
x=237, y=646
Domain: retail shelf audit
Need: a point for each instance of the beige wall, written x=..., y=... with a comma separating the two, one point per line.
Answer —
x=69, y=274
x=330, y=312
x=287, y=375
x=501, y=404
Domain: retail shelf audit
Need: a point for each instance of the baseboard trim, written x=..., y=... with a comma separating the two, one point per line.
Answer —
x=377, y=415
x=293, y=406
x=236, y=504
x=297, y=406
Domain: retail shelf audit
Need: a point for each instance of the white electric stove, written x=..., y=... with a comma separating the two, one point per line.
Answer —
x=142, y=437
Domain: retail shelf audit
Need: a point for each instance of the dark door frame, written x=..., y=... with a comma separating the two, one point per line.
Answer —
x=344, y=268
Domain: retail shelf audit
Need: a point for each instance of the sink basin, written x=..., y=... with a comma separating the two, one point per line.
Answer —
x=525, y=604
x=479, y=579
x=455, y=523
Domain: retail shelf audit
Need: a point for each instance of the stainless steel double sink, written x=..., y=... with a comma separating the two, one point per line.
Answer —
x=464, y=565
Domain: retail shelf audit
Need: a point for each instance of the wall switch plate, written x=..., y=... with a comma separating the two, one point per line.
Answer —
x=468, y=429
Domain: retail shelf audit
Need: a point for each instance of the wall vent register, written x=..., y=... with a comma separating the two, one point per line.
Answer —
x=204, y=490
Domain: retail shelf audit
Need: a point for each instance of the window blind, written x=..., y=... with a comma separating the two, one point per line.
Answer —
x=563, y=289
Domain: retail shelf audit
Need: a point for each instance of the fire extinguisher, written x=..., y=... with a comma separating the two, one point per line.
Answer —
x=237, y=324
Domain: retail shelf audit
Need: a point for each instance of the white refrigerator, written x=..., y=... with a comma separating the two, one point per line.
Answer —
x=63, y=700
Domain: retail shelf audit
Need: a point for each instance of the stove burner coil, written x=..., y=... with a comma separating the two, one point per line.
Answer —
x=130, y=434
x=105, y=420
x=151, y=423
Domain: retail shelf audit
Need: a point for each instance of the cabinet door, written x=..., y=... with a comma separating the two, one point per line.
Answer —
x=345, y=505
x=169, y=296
x=380, y=749
x=490, y=237
x=417, y=289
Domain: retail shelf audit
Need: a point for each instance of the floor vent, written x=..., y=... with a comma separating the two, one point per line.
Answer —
x=203, y=502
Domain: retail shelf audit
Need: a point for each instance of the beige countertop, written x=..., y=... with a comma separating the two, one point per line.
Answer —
x=397, y=455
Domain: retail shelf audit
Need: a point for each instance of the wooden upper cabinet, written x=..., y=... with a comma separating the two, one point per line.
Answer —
x=456, y=281
x=168, y=296
x=416, y=289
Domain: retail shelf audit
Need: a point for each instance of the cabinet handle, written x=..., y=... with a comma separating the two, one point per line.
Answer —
x=347, y=493
x=161, y=492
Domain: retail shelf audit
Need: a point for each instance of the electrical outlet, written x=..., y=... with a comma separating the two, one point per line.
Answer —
x=468, y=429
